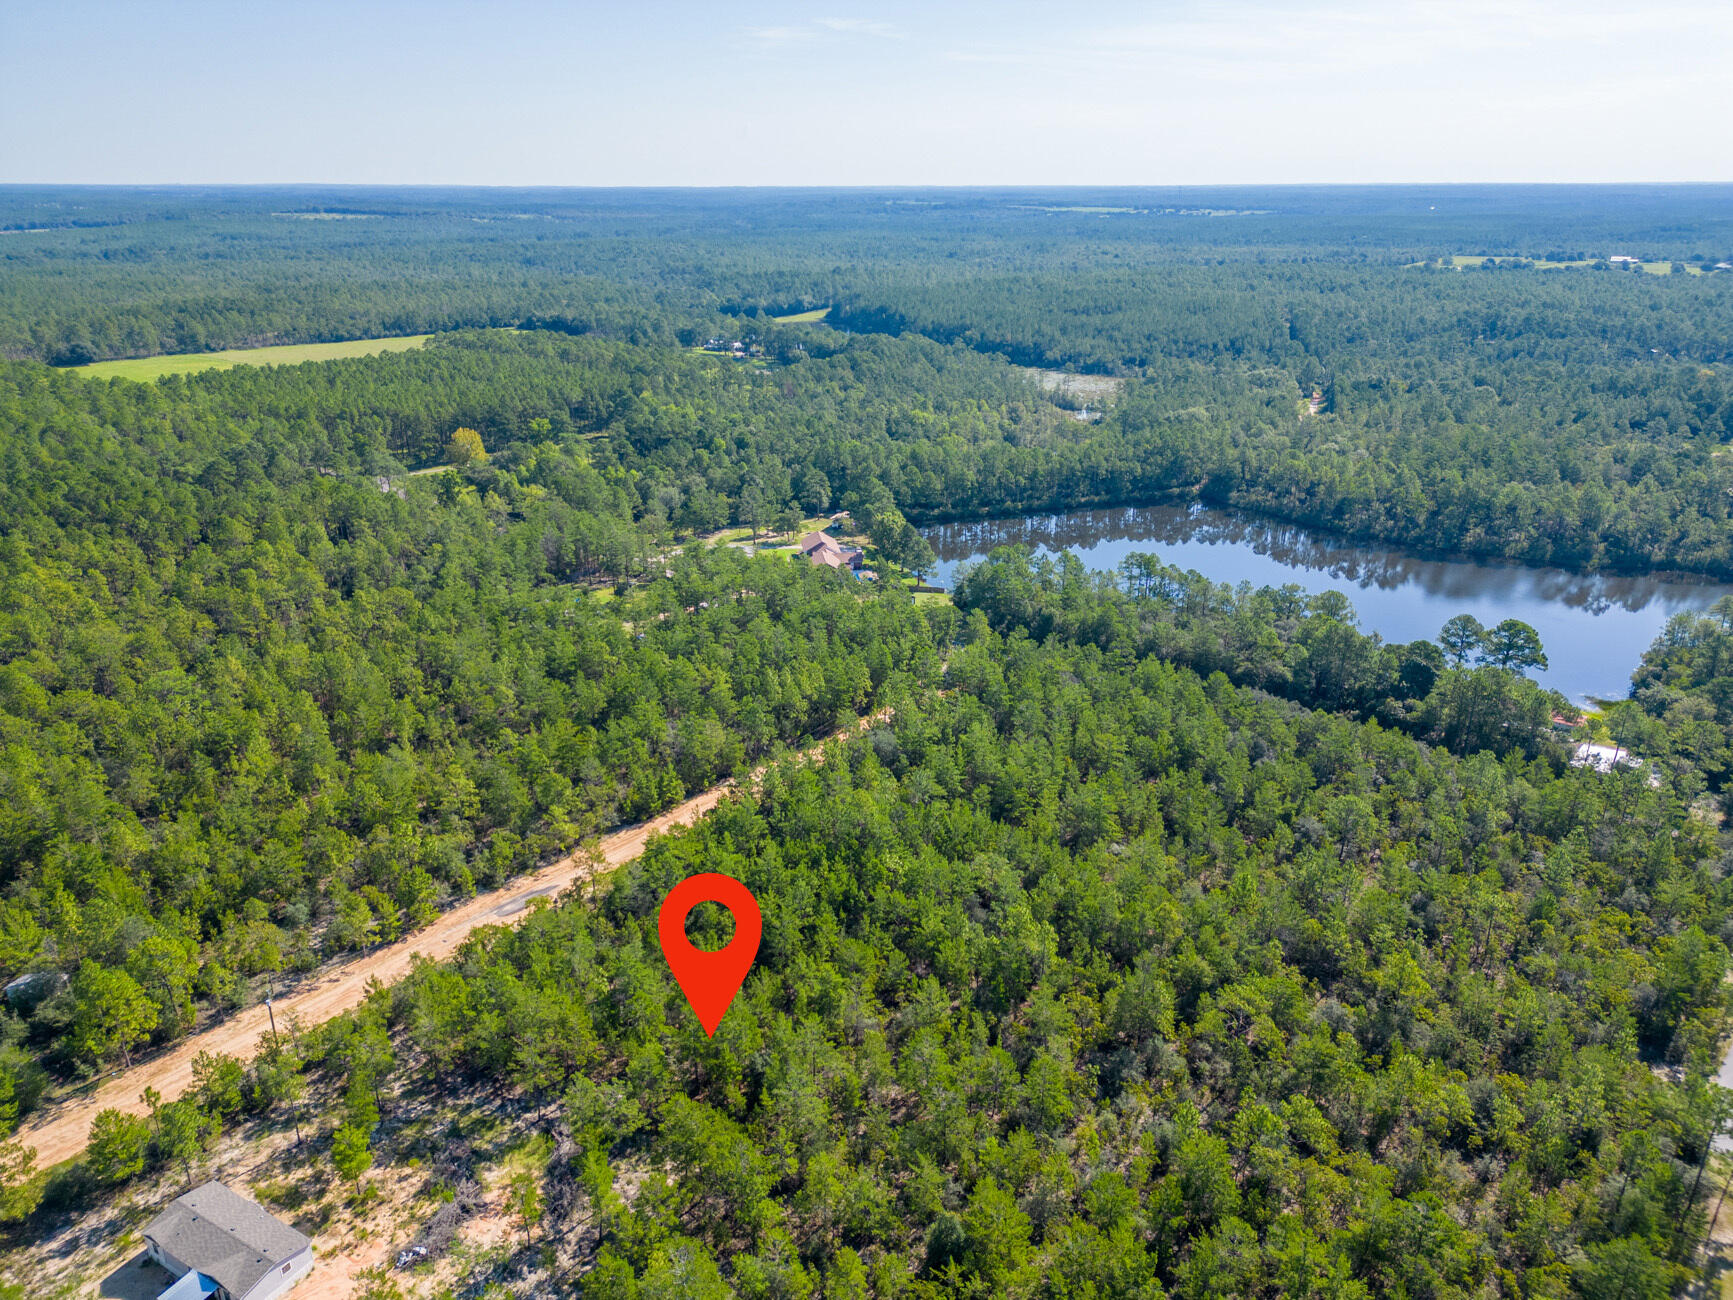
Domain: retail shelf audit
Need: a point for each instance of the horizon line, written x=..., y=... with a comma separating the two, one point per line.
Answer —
x=858, y=186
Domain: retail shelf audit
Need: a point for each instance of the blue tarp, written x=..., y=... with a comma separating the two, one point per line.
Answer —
x=191, y=1285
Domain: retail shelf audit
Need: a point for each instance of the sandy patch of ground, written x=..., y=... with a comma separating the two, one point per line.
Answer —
x=97, y=1253
x=1088, y=388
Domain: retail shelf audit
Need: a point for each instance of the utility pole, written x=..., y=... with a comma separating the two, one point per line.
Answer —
x=271, y=1011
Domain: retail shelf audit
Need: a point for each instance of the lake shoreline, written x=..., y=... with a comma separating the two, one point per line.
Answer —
x=1188, y=498
x=1595, y=626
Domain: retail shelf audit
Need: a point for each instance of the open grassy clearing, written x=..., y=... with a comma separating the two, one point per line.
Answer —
x=1089, y=388
x=741, y=535
x=803, y=317
x=1461, y=260
x=145, y=369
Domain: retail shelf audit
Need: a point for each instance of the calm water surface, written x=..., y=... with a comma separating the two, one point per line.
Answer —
x=1595, y=628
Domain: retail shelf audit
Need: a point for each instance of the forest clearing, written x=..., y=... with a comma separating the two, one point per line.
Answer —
x=145, y=369
x=1464, y=261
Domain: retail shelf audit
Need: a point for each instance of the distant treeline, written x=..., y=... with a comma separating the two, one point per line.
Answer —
x=1581, y=467
x=1569, y=417
x=95, y=273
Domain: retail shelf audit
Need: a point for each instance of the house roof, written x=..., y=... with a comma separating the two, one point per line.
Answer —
x=224, y=1236
x=1603, y=757
x=825, y=550
x=193, y=1285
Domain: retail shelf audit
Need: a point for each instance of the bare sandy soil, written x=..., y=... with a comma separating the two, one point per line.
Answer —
x=1091, y=388
x=60, y=1132
x=96, y=1253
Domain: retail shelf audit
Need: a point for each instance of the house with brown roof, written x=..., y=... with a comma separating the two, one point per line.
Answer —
x=819, y=549
x=221, y=1246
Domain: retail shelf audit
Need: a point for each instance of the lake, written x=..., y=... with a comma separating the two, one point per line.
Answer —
x=1595, y=627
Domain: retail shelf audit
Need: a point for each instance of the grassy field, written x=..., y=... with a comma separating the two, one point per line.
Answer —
x=145, y=369
x=1091, y=388
x=804, y=317
x=1461, y=260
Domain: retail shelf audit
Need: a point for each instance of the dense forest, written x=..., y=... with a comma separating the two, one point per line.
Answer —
x=1094, y=975
x=1160, y=938
x=1576, y=416
x=1681, y=703
x=250, y=698
x=91, y=272
x=259, y=711
x=1561, y=470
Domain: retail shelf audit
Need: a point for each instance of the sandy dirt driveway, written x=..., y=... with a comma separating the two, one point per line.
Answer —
x=60, y=1132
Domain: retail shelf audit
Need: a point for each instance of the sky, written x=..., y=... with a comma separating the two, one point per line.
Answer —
x=665, y=92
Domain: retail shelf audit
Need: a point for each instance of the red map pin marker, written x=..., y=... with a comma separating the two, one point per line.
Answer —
x=710, y=979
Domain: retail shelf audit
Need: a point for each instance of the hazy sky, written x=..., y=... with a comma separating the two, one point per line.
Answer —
x=752, y=93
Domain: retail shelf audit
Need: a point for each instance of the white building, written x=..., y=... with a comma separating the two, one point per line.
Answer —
x=1609, y=758
x=1603, y=758
x=222, y=1246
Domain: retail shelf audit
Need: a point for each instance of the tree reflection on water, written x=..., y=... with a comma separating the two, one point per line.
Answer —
x=1309, y=553
x=1595, y=626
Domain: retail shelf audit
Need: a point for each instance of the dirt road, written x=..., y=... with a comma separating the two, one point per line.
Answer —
x=60, y=1132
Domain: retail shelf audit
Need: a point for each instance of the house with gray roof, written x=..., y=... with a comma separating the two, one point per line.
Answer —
x=221, y=1246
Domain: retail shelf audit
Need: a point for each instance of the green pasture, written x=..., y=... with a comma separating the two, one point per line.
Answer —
x=144, y=369
x=803, y=317
x=1461, y=260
